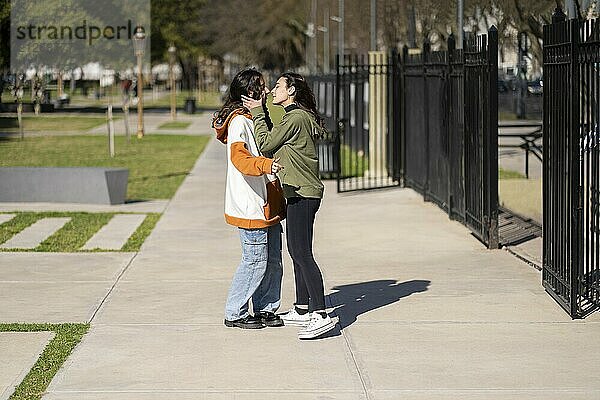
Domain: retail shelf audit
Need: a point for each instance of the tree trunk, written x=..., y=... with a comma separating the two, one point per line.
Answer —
x=189, y=73
x=412, y=26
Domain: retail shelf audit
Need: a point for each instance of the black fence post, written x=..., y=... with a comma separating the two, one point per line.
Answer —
x=491, y=162
x=403, y=62
x=558, y=15
x=338, y=122
x=575, y=195
x=395, y=115
x=425, y=58
x=450, y=124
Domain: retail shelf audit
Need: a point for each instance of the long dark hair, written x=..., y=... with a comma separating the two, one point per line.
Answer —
x=304, y=98
x=247, y=82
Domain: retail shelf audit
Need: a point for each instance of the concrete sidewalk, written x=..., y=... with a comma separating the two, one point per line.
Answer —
x=199, y=123
x=153, y=121
x=425, y=312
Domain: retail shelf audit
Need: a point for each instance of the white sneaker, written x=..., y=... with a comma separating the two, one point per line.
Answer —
x=316, y=327
x=293, y=318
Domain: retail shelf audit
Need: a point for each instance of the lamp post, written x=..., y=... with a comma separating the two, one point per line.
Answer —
x=172, y=51
x=325, y=30
x=139, y=46
x=313, y=37
x=459, y=24
x=341, y=29
x=335, y=39
x=310, y=33
x=373, y=25
x=340, y=39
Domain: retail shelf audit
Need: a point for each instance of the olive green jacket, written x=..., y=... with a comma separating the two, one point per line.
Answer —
x=293, y=143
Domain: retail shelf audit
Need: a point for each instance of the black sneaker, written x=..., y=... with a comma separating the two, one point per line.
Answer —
x=268, y=318
x=249, y=322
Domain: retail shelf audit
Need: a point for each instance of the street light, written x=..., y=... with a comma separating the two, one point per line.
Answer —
x=325, y=30
x=310, y=36
x=341, y=17
x=459, y=24
x=340, y=39
x=172, y=49
x=139, y=46
x=373, y=25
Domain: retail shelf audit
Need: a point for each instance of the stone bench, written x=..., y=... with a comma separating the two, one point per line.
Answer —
x=63, y=185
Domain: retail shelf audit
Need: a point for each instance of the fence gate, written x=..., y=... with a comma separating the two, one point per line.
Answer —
x=324, y=88
x=427, y=120
x=571, y=164
x=481, y=135
x=367, y=129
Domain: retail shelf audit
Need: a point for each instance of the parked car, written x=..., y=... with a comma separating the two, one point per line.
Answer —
x=535, y=87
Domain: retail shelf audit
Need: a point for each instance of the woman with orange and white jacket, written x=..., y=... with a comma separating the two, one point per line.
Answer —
x=254, y=203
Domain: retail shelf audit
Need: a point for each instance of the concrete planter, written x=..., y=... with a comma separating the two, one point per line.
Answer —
x=63, y=185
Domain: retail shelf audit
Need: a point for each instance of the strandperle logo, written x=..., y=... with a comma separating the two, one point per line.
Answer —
x=82, y=32
x=66, y=34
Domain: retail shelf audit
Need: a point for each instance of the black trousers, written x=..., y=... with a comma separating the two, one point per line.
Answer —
x=309, y=280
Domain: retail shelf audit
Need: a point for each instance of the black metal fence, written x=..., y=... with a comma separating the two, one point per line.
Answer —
x=426, y=120
x=456, y=125
x=451, y=129
x=368, y=130
x=430, y=121
x=426, y=161
x=481, y=135
x=324, y=88
x=571, y=165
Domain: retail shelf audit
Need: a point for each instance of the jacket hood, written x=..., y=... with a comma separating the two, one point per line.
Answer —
x=221, y=126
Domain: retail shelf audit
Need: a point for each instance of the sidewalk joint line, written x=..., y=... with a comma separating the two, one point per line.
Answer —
x=523, y=258
x=211, y=391
x=112, y=288
x=133, y=258
x=362, y=381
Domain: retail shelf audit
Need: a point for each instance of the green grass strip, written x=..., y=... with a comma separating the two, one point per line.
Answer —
x=52, y=123
x=74, y=234
x=175, y=125
x=17, y=224
x=506, y=174
x=137, y=239
x=67, y=336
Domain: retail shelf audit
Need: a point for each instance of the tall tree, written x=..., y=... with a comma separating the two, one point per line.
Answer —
x=516, y=16
x=178, y=23
x=266, y=33
x=4, y=34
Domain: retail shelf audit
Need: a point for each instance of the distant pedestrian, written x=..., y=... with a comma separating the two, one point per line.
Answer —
x=293, y=140
x=254, y=203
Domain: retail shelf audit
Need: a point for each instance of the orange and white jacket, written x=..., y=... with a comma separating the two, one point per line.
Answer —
x=253, y=197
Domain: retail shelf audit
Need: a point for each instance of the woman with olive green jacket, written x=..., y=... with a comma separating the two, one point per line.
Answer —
x=293, y=141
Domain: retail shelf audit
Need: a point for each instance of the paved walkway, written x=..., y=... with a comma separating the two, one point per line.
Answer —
x=425, y=311
x=153, y=122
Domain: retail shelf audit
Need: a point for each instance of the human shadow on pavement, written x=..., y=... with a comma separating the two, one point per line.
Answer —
x=350, y=301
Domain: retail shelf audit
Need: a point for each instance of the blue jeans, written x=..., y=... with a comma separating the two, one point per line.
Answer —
x=258, y=277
